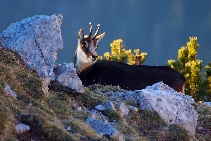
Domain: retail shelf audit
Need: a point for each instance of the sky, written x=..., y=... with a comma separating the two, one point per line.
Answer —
x=157, y=27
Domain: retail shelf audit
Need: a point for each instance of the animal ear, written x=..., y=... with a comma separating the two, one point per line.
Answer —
x=81, y=34
x=99, y=37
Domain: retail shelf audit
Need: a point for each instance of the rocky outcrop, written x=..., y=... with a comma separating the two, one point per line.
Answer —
x=66, y=78
x=173, y=107
x=37, y=40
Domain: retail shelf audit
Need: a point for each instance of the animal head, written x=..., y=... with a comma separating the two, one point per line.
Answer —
x=86, y=52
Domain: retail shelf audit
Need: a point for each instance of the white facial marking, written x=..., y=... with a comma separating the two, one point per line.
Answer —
x=82, y=60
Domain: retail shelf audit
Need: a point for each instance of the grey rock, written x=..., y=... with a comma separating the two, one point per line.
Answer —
x=172, y=106
x=79, y=108
x=69, y=128
x=134, y=109
x=21, y=128
x=66, y=79
x=100, y=107
x=45, y=83
x=104, y=129
x=99, y=116
x=9, y=91
x=131, y=97
x=37, y=40
x=201, y=128
x=207, y=103
x=109, y=105
x=123, y=109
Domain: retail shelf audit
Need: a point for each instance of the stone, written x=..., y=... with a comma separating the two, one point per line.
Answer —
x=201, y=128
x=207, y=103
x=37, y=40
x=98, y=115
x=123, y=109
x=21, y=128
x=104, y=129
x=172, y=106
x=109, y=105
x=131, y=97
x=100, y=107
x=69, y=128
x=45, y=83
x=66, y=79
x=134, y=109
x=10, y=92
x=79, y=108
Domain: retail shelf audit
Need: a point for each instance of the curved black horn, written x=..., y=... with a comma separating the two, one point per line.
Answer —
x=90, y=33
x=98, y=28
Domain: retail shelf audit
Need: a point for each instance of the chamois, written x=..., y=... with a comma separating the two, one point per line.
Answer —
x=129, y=77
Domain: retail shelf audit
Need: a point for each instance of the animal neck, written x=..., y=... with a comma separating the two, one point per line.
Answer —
x=81, y=60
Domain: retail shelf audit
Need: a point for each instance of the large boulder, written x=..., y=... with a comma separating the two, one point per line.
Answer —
x=172, y=106
x=37, y=40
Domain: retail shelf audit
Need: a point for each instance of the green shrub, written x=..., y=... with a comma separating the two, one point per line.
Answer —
x=120, y=54
x=207, y=83
x=191, y=67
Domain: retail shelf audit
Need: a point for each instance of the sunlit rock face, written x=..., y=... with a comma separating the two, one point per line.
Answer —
x=37, y=40
x=173, y=107
x=66, y=79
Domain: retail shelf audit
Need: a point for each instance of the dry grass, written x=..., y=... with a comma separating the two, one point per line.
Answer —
x=47, y=112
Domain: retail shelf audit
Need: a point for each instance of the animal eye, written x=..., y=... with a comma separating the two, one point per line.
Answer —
x=85, y=43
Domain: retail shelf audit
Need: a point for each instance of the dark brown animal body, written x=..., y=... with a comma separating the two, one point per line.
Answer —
x=131, y=77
